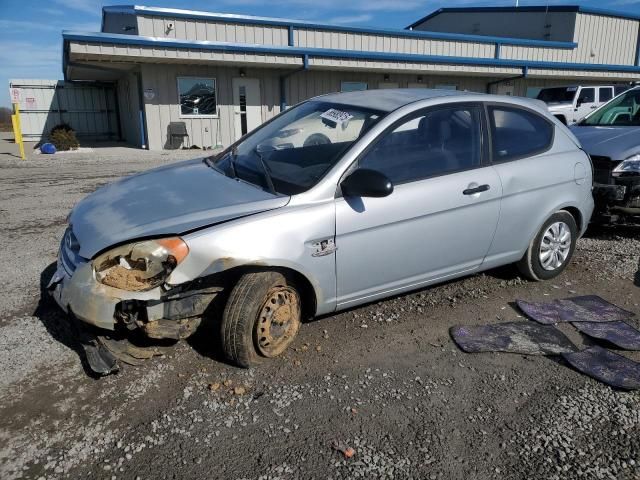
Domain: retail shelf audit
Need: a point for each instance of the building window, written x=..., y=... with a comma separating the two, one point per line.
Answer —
x=444, y=86
x=352, y=86
x=197, y=96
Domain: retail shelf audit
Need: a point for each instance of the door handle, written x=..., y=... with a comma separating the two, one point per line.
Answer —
x=478, y=189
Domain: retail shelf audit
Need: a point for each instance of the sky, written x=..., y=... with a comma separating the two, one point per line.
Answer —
x=31, y=41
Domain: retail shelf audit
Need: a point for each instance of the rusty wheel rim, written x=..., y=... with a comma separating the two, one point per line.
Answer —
x=278, y=321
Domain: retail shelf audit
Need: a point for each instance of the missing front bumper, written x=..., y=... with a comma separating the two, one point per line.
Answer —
x=616, y=203
x=160, y=313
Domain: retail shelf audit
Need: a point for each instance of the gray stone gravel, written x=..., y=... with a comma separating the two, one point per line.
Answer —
x=383, y=379
x=594, y=433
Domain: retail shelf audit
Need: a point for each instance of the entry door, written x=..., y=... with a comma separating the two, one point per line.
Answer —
x=247, y=105
x=440, y=219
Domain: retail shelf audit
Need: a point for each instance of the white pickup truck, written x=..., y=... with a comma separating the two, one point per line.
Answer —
x=573, y=103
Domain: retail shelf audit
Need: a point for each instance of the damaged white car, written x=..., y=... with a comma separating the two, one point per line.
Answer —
x=341, y=200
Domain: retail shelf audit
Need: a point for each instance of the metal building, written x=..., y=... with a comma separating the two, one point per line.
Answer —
x=221, y=75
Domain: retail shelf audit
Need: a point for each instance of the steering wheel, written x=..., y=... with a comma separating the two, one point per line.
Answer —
x=316, y=139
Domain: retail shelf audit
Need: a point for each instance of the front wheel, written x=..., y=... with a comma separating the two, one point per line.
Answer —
x=551, y=249
x=261, y=318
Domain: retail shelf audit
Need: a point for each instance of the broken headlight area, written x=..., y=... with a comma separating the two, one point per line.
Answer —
x=140, y=265
x=175, y=316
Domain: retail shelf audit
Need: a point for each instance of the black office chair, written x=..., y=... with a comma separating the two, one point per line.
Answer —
x=179, y=130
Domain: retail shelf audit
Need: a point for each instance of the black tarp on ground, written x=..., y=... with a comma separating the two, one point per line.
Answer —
x=620, y=334
x=606, y=366
x=526, y=338
x=588, y=308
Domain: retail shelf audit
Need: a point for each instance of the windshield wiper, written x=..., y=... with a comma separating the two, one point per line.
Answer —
x=265, y=169
x=232, y=162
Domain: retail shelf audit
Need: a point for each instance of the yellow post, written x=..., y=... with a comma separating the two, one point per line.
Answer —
x=17, y=130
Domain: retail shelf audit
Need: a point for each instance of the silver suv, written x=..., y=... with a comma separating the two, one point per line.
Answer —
x=342, y=200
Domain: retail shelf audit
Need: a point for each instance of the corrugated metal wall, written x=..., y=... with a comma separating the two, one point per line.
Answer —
x=191, y=29
x=603, y=39
x=164, y=108
x=204, y=132
x=89, y=109
x=129, y=101
x=555, y=26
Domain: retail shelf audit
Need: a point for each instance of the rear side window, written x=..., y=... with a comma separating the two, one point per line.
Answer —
x=606, y=94
x=517, y=133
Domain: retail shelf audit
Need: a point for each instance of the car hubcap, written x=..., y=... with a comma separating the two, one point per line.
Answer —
x=278, y=321
x=555, y=246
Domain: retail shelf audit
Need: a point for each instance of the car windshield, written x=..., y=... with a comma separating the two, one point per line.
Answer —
x=558, y=94
x=623, y=111
x=290, y=154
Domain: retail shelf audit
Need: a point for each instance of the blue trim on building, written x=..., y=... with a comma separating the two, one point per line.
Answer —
x=532, y=8
x=120, y=39
x=282, y=22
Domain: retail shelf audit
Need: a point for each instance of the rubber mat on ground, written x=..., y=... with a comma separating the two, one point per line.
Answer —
x=607, y=367
x=589, y=308
x=620, y=334
x=514, y=337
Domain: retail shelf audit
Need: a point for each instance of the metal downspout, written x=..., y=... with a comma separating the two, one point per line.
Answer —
x=142, y=113
x=524, y=74
x=283, y=82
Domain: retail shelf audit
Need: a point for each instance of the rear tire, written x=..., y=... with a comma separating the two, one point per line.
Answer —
x=551, y=249
x=261, y=318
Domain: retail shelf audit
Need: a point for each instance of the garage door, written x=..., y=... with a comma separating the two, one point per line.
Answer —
x=89, y=108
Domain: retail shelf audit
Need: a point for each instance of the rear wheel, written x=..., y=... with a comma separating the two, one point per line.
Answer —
x=551, y=249
x=261, y=318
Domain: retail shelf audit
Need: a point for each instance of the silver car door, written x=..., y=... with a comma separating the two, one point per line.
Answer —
x=441, y=217
x=538, y=171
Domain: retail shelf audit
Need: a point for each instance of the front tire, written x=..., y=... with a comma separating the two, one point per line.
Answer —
x=551, y=249
x=261, y=318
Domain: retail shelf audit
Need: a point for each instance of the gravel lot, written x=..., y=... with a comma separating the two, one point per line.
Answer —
x=383, y=379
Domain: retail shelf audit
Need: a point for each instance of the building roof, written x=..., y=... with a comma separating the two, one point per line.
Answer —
x=530, y=8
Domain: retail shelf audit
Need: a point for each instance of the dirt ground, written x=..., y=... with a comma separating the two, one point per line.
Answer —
x=384, y=379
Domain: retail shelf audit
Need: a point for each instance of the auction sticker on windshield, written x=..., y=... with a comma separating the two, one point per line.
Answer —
x=337, y=116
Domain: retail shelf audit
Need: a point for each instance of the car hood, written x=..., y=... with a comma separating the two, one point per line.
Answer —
x=616, y=143
x=168, y=200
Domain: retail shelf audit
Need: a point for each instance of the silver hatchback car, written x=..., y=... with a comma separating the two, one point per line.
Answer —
x=342, y=200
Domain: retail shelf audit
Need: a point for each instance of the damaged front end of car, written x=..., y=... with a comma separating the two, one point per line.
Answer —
x=125, y=290
x=616, y=190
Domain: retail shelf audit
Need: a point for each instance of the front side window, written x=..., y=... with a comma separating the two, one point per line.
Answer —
x=587, y=95
x=427, y=144
x=292, y=153
x=197, y=96
x=624, y=110
x=517, y=133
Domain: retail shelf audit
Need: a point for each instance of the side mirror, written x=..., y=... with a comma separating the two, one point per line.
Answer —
x=366, y=183
x=579, y=102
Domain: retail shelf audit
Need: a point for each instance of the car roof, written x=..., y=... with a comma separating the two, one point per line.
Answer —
x=389, y=99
